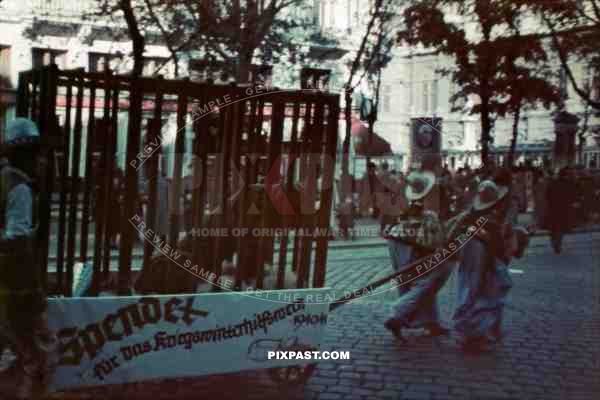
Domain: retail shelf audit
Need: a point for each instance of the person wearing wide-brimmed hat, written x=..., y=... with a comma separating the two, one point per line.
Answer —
x=483, y=279
x=23, y=298
x=419, y=233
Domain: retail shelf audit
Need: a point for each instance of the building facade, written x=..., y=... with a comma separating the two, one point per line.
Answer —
x=413, y=87
x=35, y=33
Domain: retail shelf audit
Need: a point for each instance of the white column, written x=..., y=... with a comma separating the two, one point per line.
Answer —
x=349, y=14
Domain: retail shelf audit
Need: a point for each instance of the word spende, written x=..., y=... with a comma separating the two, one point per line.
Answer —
x=76, y=342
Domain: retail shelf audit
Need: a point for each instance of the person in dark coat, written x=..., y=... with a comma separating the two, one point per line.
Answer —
x=541, y=204
x=560, y=197
x=22, y=298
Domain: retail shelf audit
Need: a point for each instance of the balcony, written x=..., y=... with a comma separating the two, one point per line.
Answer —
x=42, y=8
x=61, y=7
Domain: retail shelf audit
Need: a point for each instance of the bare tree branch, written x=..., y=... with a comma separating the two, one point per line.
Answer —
x=586, y=96
x=166, y=36
x=363, y=44
x=137, y=39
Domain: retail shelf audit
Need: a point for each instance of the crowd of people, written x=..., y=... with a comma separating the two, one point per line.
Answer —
x=488, y=238
x=535, y=190
x=440, y=207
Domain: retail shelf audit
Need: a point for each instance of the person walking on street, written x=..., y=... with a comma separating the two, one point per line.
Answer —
x=540, y=200
x=560, y=198
x=483, y=278
x=374, y=186
x=23, y=298
x=419, y=233
x=160, y=225
x=503, y=178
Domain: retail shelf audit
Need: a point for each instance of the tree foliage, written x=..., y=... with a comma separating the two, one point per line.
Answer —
x=492, y=60
x=371, y=56
x=574, y=27
x=227, y=34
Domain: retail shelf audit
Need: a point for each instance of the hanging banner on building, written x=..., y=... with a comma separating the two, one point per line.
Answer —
x=113, y=340
x=426, y=138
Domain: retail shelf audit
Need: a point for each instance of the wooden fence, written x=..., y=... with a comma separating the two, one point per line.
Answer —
x=80, y=114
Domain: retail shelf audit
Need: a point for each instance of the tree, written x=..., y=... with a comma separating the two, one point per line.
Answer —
x=227, y=34
x=583, y=130
x=374, y=65
x=127, y=10
x=525, y=72
x=371, y=57
x=494, y=62
x=574, y=29
x=137, y=39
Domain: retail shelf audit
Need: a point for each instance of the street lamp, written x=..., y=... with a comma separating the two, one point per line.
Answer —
x=565, y=127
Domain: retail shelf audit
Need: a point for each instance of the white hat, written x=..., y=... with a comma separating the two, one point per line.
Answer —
x=488, y=194
x=419, y=184
x=21, y=131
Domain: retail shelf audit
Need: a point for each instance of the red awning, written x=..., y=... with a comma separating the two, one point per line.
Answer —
x=360, y=132
x=167, y=106
x=8, y=96
x=359, y=128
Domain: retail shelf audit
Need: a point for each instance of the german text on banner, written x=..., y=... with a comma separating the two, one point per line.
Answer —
x=112, y=340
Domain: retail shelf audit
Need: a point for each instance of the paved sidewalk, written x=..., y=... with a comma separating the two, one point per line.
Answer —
x=551, y=349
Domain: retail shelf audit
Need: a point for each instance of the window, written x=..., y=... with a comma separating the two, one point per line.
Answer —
x=332, y=13
x=316, y=12
x=455, y=90
x=157, y=66
x=593, y=163
x=4, y=65
x=314, y=78
x=198, y=71
x=425, y=98
x=6, y=92
x=349, y=15
x=562, y=84
x=43, y=57
x=386, y=98
x=100, y=62
x=202, y=70
x=594, y=80
x=326, y=10
x=261, y=74
x=434, y=96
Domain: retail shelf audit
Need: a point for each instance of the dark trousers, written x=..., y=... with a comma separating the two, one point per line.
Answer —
x=556, y=237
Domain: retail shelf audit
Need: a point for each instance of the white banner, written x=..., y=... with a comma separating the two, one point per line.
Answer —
x=111, y=340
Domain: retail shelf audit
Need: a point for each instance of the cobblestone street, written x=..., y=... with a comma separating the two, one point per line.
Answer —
x=550, y=350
